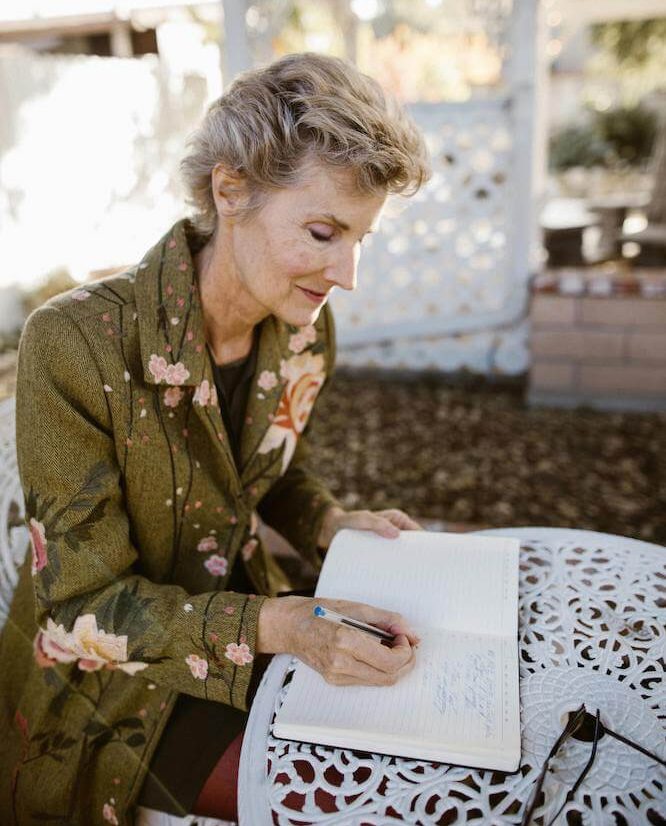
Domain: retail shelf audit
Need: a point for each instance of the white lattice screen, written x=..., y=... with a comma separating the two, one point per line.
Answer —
x=442, y=264
x=444, y=284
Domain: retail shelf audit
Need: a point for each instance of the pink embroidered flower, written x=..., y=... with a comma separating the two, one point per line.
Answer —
x=39, y=546
x=157, y=366
x=267, y=380
x=300, y=340
x=216, y=565
x=297, y=343
x=172, y=396
x=208, y=543
x=229, y=609
x=109, y=814
x=305, y=376
x=176, y=373
x=93, y=648
x=205, y=394
x=249, y=548
x=81, y=295
x=198, y=666
x=238, y=654
x=41, y=657
x=310, y=333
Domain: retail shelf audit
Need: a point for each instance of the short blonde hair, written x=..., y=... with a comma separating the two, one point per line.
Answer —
x=303, y=105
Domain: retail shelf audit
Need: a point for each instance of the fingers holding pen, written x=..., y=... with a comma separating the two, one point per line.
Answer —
x=358, y=659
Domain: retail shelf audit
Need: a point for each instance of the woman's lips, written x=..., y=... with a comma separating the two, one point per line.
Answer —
x=315, y=297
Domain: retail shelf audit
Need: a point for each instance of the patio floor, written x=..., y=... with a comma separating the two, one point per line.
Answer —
x=477, y=455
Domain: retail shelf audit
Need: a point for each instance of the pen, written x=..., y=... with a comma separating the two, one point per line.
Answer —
x=333, y=616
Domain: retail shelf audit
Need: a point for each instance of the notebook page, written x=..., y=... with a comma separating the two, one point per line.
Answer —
x=462, y=583
x=459, y=704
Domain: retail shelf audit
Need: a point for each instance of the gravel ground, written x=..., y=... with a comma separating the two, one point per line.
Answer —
x=478, y=455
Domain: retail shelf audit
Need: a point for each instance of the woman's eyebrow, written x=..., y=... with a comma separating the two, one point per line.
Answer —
x=340, y=224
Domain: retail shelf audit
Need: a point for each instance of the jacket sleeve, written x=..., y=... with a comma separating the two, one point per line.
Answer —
x=92, y=605
x=296, y=504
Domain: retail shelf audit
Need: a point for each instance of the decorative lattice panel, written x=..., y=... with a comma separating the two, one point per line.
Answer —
x=437, y=285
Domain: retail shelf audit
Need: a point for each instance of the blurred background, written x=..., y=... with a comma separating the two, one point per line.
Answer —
x=503, y=361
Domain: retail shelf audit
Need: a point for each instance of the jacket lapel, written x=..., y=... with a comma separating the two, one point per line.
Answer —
x=171, y=330
x=289, y=375
x=265, y=392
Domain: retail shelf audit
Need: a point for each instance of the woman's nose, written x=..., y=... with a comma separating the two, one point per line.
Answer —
x=342, y=271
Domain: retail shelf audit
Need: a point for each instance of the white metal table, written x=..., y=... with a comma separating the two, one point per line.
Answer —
x=592, y=617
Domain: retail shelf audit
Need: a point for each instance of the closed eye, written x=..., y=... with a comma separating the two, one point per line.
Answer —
x=318, y=236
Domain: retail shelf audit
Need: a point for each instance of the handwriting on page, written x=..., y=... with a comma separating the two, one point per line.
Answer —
x=463, y=687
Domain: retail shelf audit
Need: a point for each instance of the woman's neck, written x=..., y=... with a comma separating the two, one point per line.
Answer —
x=230, y=314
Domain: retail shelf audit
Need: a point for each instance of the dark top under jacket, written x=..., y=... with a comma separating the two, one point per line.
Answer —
x=199, y=731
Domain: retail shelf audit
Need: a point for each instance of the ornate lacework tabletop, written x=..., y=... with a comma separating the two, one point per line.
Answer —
x=592, y=620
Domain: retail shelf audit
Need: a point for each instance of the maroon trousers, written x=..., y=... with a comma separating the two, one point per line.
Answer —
x=219, y=796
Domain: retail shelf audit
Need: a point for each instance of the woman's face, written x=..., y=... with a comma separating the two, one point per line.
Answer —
x=303, y=241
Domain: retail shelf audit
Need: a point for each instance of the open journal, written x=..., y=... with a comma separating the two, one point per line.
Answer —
x=460, y=703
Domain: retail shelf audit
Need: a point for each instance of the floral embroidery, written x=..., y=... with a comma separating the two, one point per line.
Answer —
x=39, y=546
x=304, y=375
x=109, y=813
x=93, y=648
x=198, y=666
x=249, y=548
x=208, y=543
x=205, y=394
x=172, y=396
x=169, y=373
x=216, y=565
x=238, y=654
x=81, y=295
x=267, y=380
x=188, y=607
x=300, y=340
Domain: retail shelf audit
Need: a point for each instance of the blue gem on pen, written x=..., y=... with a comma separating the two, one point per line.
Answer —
x=319, y=611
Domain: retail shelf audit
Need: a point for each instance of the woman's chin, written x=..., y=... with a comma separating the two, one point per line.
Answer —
x=298, y=316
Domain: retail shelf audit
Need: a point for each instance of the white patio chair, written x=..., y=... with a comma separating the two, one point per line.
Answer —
x=14, y=540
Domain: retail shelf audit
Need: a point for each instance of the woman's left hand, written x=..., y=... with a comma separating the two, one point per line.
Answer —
x=386, y=523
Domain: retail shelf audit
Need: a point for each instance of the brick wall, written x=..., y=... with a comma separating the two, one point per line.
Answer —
x=605, y=350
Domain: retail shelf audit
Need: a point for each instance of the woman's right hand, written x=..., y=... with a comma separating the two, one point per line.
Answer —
x=342, y=655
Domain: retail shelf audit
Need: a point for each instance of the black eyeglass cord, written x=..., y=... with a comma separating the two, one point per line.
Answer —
x=572, y=726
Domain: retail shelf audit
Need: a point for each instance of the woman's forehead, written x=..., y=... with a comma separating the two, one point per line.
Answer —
x=330, y=192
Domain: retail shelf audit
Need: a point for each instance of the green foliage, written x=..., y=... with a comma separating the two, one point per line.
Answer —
x=577, y=146
x=616, y=137
x=631, y=42
x=628, y=131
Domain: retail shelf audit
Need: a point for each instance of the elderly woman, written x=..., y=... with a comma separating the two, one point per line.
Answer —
x=158, y=412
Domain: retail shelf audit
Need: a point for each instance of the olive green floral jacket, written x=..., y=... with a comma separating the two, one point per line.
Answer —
x=137, y=513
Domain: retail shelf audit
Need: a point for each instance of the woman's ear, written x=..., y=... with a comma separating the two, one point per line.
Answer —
x=230, y=191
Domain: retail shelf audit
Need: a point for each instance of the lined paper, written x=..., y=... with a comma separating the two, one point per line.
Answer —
x=462, y=583
x=460, y=703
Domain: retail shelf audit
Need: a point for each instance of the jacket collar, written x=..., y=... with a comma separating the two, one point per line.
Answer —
x=170, y=318
x=174, y=352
